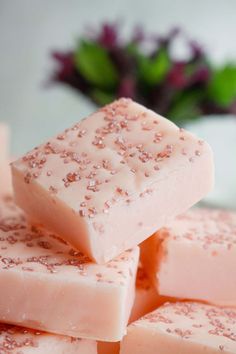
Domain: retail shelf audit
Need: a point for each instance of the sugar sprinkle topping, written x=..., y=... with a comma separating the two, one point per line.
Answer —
x=135, y=144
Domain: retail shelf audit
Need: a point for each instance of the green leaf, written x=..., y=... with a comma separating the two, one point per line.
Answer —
x=153, y=70
x=95, y=65
x=186, y=106
x=190, y=68
x=132, y=48
x=102, y=97
x=222, y=87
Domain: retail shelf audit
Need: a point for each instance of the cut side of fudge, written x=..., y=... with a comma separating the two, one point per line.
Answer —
x=107, y=183
x=19, y=340
x=146, y=300
x=47, y=285
x=195, y=257
x=184, y=328
x=146, y=296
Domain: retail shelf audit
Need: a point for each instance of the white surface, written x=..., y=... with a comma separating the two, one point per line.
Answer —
x=220, y=132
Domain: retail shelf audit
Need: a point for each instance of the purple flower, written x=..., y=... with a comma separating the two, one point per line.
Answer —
x=196, y=49
x=137, y=65
x=66, y=65
x=169, y=38
x=138, y=35
x=108, y=36
x=201, y=75
x=127, y=88
x=177, y=77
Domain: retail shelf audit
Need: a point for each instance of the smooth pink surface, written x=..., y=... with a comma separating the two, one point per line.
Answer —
x=195, y=257
x=183, y=328
x=19, y=340
x=48, y=286
x=113, y=179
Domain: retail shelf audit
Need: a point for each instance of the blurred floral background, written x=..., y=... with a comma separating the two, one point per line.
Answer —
x=104, y=66
x=62, y=59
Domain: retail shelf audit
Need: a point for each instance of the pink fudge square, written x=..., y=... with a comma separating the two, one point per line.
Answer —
x=184, y=328
x=47, y=285
x=195, y=257
x=19, y=340
x=112, y=179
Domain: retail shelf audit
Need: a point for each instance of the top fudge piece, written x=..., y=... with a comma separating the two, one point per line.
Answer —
x=113, y=179
x=183, y=328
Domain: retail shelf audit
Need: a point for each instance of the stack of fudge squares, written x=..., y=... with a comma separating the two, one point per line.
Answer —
x=79, y=271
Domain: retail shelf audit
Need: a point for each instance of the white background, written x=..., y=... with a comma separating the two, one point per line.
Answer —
x=30, y=29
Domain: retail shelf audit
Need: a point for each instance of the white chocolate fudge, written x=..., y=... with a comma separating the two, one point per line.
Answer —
x=195, y=257
x=183, y=328
x=19, y=340
x=48, y=286
x=107, y=183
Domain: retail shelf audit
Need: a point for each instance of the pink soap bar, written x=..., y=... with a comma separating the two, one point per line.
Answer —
x=4, y=142
x=195, y=257
x=183, y=328
x=19, y=340
x=111, y=180
x=48, y=286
